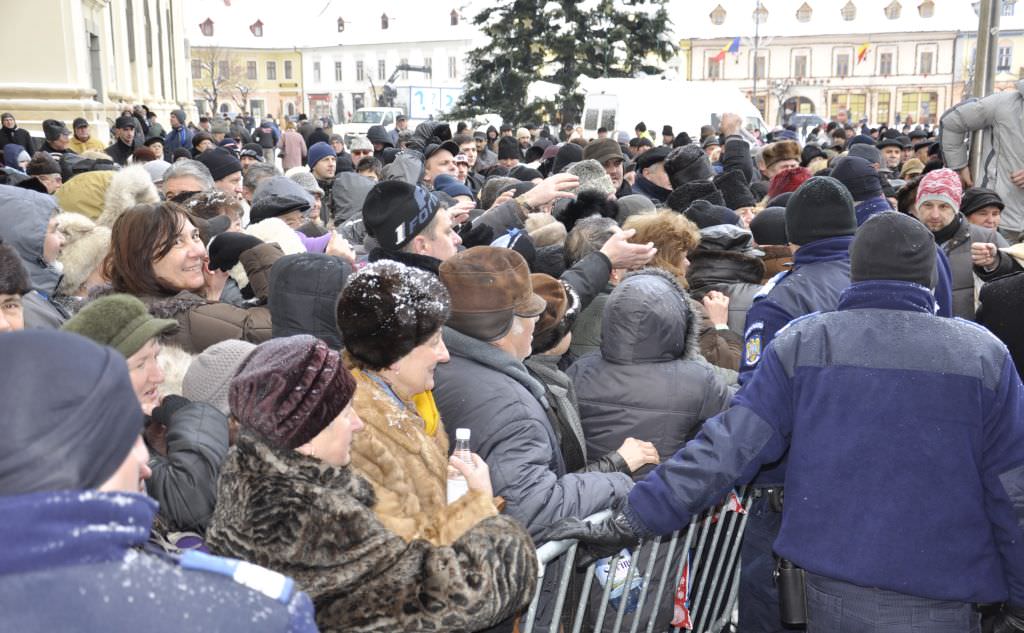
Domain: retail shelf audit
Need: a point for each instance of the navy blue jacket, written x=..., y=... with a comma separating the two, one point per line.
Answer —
x=905, y=434
x=645, y=187
x=71, y=561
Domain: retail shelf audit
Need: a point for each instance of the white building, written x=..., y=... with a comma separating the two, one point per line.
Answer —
x=806, y=57
x=351, y=51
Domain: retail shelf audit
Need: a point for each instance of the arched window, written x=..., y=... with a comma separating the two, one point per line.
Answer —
x=893, y=10
x=455, y=17
x=849, y=12
x=803, y=14
x=718, y=16
x=926, y=9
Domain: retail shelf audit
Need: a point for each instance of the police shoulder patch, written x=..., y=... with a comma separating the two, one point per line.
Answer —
x=269, y=583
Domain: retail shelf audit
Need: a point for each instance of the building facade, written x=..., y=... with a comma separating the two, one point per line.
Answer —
x=91, y=58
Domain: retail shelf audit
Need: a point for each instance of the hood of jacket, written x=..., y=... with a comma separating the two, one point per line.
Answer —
x=490, y=356
x=649, y=318
x=349, y=192
x=725, y=255
x=24, y=216
x=378, y=135
x=304, y=289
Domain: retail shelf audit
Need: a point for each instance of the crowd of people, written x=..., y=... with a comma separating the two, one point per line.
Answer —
x=234, y=387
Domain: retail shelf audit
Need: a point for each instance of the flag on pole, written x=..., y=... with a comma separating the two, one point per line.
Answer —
x=733, y=47
x=862, y=52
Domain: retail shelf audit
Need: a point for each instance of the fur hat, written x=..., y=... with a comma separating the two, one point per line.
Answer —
x=788, y=180
x=733, y=185
x=209, y=376
x=563, y=306
x=587, y=204
x=42, y=164
x=779, y=151
x=85, y=193
x=685, y=164
x=684, y=195
x=290, y=389
x=592, y=177
x=129, y=187
x=545, y=230
x=86, y=246
x=120, y=321
x=387, y=309
x=704, y=214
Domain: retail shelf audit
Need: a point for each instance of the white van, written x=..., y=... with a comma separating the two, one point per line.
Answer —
x=619, y=104
x=365, y=118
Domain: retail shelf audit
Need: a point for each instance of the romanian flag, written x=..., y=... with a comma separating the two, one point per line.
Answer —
x=734, y=47
x=862, y=52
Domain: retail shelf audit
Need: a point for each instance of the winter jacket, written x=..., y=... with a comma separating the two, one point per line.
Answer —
x=586, y=331
x=656, y=193
x=304, y=290
x=348, y=194
x=724, y=261
x=378, y=135
x=296, y=514
x=293, y=149
x=776, y=259
x=907, y=477
x=561, y=394
x=648, y=381
x=485, y=159
x=178, y=137
x=958, y=250
x=265, y=136
x=75, y=561
x=408, y=468
x=91, y=145
x=999, y=116
x=119, y=152
x=1002, y=303
x=184, y=481
x=24, y=218
x=16, y=135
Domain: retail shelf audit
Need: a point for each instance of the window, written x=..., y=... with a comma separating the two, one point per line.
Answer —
x=316, y=72
x=453, y=70
x=223, y=70
x=925, y=66
x=272, y=71
x=714, y=69
x=760, y=14
x=360, y=75
x=341, y=25
x=849, y=11
x=429, y=63
x=250, y=70
x=381, y=70
x=803, y=14
x=257, y=28
x=926, y=9
x=287, y=69
x=608, y=119
x=455, y=17
x=854, y=104
x=885, y=64
x=1004, y=59
x=718, y=16
x=207, y=27
x=404, y=62
x=760, y=63
x=590, y=119
x=337, y=71
x=919, y=105
x=843, y=65
x=1007, y=10
x=800, y=66
x=883, y=107
x=893, y=10
x=384, y=21
x=197, y=69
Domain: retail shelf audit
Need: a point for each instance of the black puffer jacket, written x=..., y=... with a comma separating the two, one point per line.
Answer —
x=725, y=260
x=304, y=289
x=649, y=380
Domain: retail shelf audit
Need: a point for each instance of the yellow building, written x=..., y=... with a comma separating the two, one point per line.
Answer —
x=1009, y=60
x=235, y=69
x=90, y=58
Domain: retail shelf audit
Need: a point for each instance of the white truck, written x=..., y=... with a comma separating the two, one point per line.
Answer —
x=619, y=104
x=365, y=118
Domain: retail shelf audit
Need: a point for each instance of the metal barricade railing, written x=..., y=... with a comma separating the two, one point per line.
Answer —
x=706, y=553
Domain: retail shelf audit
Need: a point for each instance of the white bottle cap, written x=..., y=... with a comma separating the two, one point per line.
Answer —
x=462, y=434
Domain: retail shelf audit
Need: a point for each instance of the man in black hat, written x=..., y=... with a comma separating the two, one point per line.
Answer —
x=892, y=155
x=651, y=178
x=410, y=225
x=58, y=139
x=83, y=141
x=922, y=148
x=509, y=154
x=667, y=135
x=225, y=169
x=439, y=158
x=11, y=133
x=123, y=146
x=484, y=156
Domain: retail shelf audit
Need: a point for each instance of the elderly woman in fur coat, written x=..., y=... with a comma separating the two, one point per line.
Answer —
x=288, y=500
x=390, y=316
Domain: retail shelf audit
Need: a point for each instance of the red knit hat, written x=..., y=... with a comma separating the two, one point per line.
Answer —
x=942, y=185
x=290, y=389
x=787, y=180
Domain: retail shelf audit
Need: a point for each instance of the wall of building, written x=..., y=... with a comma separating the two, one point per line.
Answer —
x=279, y=95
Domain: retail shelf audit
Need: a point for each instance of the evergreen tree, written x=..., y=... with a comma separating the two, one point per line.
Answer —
x=558, y=41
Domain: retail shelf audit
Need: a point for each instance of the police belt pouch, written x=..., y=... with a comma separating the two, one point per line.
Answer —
x=792, y=595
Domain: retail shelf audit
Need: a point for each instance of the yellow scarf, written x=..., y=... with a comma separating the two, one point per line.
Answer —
x=424, y=403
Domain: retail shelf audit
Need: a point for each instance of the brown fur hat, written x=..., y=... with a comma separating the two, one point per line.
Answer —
x=780, y=150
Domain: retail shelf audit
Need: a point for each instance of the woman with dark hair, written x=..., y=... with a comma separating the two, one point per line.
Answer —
x=390, y=316
x=156, y=254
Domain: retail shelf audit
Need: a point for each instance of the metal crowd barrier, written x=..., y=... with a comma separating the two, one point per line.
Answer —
x=706, y=552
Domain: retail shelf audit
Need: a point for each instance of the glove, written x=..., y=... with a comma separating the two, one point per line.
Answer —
x=227, y=248
x=597, y=540
x=479, y=235
x=168, y=407
x=1009, y=620
x=428, y=132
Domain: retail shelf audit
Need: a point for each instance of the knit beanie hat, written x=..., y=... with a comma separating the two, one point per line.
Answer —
x=290, y=389
x=74, y=437
x=508, y=148
x=705, y=214
x=220, y=162
x=254, y=150
x=84, y=249
x=306, y=180
x=317, y=152
x=684, y=195
x=942, y=185
x=859, y=177
x=41, y=164
x=53, y=129
x=592, y=177
x=788, y=180
x=120, y=321
x=733, y=185
x=568, y=154
x=893, y=246
x=822, y=207
x=633, y=204
x=687, y=163
x=869, y=153
x=394, y=212
x=977, y=198
x=387, y=310
x=769, y=227
x=209, y=375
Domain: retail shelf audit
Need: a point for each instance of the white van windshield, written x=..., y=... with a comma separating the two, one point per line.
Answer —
x=367, y=116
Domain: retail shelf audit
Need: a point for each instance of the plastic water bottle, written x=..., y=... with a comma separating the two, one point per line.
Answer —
x=618, y=579
x=457, y=485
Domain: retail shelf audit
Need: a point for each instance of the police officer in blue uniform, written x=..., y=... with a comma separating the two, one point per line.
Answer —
x=76, y=519
x=905, y=467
